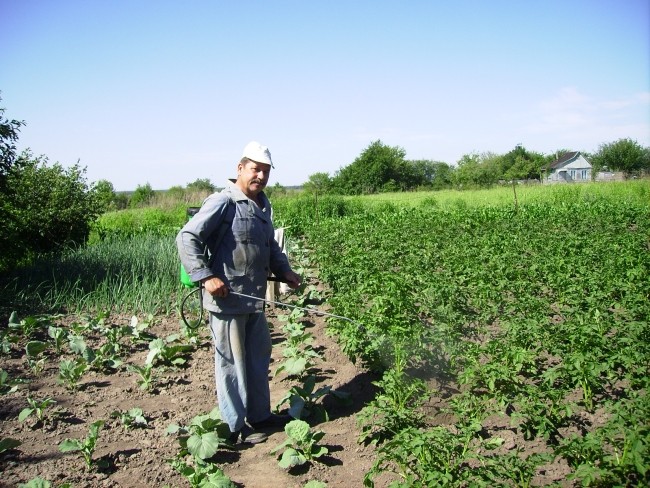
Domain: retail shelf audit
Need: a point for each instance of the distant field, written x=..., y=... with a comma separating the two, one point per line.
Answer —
x=638, y=190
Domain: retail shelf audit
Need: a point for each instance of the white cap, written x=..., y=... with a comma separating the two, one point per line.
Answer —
x=258, y=153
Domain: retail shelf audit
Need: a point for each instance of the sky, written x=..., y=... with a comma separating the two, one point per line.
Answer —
x=167, y=92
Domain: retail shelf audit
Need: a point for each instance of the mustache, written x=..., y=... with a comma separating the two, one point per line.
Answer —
x=258, y=181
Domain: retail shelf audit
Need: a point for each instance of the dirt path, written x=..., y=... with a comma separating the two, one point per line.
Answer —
x=138, y=456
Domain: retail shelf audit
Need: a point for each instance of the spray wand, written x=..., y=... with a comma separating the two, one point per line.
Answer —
x=199, y=290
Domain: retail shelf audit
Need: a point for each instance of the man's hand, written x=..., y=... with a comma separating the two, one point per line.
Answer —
x=215, y=287
x=293, y=280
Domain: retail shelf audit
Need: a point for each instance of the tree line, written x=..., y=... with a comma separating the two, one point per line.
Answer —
x=382, y=168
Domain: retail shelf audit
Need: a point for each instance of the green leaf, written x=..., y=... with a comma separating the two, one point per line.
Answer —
x=315, y=484
x=291, y=458
x=8, y=443
x=295, y=366
x=296, y=407
x=24, y=413
x=77, y=344
x=321, y=451
x=34, y=348
x=203, y=446
x=89, y=355
x=298, y=430
x=36, y=483
x=69, y=445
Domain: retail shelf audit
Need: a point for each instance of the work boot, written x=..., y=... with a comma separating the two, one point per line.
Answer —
x=246, y=435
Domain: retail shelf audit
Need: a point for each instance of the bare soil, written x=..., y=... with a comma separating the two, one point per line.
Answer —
x=138, y=456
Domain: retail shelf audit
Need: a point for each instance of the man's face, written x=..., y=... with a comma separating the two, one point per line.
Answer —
x=252, y=177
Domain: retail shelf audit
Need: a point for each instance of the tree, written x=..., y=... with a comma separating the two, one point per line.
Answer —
x=201, y=185
x=623, y=155
x=105, y=194
x=142, y=195
x=432, y=174
x=472, y=172
x=520, y=164
x=9, y=130
x=318, y=183
x=378, y=168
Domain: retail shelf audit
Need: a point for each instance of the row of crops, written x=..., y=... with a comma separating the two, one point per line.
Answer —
x=514, y=342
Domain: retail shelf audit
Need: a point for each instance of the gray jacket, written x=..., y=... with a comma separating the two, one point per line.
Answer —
x=244, y=257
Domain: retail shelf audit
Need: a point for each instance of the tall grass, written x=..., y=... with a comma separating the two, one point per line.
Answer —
x=135, y=275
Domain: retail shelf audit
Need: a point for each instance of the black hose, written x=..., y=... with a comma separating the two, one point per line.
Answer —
x=199, y=290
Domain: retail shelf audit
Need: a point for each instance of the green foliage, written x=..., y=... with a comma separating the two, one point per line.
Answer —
x=33, y=355
x=28, y=326
x=84, y=446
x=42, y=483
x=315, y=484
x=622, y=155
x=203, y=436
x=50, y=208
x=168, y=351
x=71, y=371
x=36, y=407
x=202, y=474
x=59, y=336
x=301, y=445
x=201, y=185
x=36, y=483
x=520, y=164
x=7, y=443
x=303, y=400
x=298, y=352
x=9, y=130
x=146, y=375
x=396, y=407
x=142, y=195
x=434, y=175
x=105, y=194
x=540, y=314
x=131, y=418
x=131, y=222
x=8, y=385
x=318, y=183
x=378, y=168
x=137, y=275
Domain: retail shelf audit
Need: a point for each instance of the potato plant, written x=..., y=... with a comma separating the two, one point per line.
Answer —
x=538, y=312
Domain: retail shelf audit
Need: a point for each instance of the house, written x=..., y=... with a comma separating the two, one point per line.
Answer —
x=569, y=168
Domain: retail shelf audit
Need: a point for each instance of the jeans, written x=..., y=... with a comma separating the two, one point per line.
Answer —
x=241, y=365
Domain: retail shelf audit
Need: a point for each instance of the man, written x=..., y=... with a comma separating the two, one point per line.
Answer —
x=235, y=227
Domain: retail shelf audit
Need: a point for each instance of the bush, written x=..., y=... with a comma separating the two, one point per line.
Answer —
x=45, y=208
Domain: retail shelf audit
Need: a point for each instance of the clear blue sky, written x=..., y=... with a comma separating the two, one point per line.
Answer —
x=166, y=92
